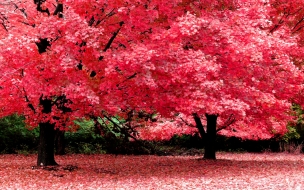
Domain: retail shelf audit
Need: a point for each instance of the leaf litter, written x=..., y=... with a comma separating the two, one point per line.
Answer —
x=230, y=171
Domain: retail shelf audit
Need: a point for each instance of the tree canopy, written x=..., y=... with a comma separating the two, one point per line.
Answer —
x=62, y=60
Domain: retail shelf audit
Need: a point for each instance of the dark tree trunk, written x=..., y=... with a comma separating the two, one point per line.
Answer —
x=59, y=142
x=46, y=145
x=210, y=137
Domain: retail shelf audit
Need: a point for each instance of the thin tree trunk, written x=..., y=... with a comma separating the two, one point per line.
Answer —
x=46, y=145
x=210, y=137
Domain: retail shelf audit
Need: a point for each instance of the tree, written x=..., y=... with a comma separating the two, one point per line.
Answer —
x=228, y=66
x=49, y=61
x=53, y=60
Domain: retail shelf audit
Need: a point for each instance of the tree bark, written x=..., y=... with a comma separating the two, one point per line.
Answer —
x=59, y=142
x=210, y=137
x=46, y=145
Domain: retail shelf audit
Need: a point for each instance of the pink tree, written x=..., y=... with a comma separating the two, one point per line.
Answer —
x=54, y=64
x=39, y=58
x=227, y=66
x=51, y=59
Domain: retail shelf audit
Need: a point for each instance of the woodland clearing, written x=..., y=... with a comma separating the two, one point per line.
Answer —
x=229, y=171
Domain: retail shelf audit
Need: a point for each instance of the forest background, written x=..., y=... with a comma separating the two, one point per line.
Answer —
x=15, y=138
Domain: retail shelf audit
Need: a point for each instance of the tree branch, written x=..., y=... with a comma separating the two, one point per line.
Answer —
x=59, y=10
x=111, y=13
x=120, y=128
x=27, y=100
x=113, y=37
x=228, y=122
x=188, y=124
x=4, y=27
x=199, y=125
x=298, y=23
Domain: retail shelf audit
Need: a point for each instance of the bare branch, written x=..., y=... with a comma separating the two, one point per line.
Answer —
x=187, y=123
x=30, y=105
x=228, y=122
x=111, y=13
x=113, y=37
x=120, y=128
x=4, y=27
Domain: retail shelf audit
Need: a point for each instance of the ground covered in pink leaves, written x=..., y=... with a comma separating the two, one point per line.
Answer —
x=230, y=171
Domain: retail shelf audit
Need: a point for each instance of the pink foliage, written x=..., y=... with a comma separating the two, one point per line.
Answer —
x=221, y=62
x=217, y=57
x=164, y=130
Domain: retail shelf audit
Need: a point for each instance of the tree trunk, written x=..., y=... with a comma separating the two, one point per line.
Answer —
x=46, y=145
x=59, y=142
x=210, y=137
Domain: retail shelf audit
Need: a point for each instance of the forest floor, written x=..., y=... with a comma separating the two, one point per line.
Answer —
x=230, y=171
